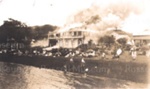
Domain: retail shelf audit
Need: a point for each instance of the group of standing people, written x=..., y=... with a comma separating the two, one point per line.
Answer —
x=119, y=51
x=133, y=53
x=69, y=66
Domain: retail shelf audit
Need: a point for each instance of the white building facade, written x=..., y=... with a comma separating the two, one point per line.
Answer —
x=72, y=37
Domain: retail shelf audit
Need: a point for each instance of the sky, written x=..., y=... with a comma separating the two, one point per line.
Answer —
x=39, y=12
x=55, y=12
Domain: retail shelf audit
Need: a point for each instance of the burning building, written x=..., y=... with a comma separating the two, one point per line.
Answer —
x=72, y=36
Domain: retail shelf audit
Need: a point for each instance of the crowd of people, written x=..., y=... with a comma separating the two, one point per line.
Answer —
x=70, y=53
x=82, y=68
x=116, y=56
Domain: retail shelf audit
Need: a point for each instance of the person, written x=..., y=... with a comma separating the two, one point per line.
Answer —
x=82, y=65
x=118, y=53
x=71, y=63
x=114, y=53
x=133, y=53
x=35, y=52
x=82, y=62
x=103, y=55
x=148, y=53
x=65, y=69
x=85, y=72
x=71, y=60
x=84, y=68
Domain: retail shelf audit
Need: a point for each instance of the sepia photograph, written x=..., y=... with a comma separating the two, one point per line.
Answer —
x=74, y=44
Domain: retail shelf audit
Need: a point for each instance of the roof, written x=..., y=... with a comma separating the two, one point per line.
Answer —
x=145, y=37
x=143, y=33
x=118, y=32
x=75, y=27
x=68, y=27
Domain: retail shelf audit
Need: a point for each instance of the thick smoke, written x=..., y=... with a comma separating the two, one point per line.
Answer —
x=103, y=17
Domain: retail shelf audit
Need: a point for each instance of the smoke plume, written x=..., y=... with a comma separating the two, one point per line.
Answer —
x=127, y=15
x=106, y=16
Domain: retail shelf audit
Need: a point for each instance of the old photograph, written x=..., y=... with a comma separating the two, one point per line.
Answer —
x=74, y=44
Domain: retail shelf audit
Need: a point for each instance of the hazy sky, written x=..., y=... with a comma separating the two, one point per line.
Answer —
x=39, y=12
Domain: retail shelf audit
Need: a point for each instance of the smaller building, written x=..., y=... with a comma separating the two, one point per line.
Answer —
x=142, y=38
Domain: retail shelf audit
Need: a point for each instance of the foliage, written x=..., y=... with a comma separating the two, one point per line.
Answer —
x=40, y=32
x=13, y=29
x=20, y=33
x=107, y=40
x=122, y=41
x=91, y=45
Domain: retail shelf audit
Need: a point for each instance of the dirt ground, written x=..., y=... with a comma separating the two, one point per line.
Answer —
x=18, y=76
x=47, y=73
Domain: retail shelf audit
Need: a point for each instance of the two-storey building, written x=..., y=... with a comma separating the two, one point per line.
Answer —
x=71, y=37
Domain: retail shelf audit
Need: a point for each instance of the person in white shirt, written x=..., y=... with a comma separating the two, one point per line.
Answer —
x=82, y=64
x=118, y=53
x=103, y=55
x=133, y=53
x=71, y=64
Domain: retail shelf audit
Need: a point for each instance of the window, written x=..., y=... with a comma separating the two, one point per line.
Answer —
x=58, y=35
x=75, y=33
x=70, y=33
x=79, y=33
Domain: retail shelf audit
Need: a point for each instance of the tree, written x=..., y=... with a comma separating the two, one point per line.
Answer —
x=13, y=29
x=41, y=32
x=107, y=40
x=122, y=41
